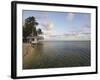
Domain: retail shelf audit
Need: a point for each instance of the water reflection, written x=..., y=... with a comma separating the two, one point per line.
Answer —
x=56, y=54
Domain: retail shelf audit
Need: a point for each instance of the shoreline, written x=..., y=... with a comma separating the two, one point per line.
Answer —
x=63, y=40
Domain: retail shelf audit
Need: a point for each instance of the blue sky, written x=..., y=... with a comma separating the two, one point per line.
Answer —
x=61, y=24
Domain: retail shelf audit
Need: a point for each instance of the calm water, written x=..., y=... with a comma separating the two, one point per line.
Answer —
x=53, y=54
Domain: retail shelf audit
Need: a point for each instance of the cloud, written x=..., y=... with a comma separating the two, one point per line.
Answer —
x=48, y=28
x=47, y=33
x=42, y=16
x=79, y=32
x=70, y=16
x=87, y=26
x=78, y=35
x=45, y=23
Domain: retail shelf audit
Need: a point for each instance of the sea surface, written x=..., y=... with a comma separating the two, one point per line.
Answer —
x=55, y=54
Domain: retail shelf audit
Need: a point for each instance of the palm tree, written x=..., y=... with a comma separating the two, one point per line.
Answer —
x=30, y=27
x=39, y=31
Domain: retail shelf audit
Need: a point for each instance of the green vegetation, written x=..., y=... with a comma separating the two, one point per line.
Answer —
x=29, y=28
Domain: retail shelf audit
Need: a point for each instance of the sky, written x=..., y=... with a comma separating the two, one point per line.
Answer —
x=62, y=25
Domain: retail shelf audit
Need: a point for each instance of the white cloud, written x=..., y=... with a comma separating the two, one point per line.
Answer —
x=48, y=28
x=45, y=23
x=70, y=16
x=78, y=36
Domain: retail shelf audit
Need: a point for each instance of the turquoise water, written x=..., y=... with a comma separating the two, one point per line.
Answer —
x=53, y=54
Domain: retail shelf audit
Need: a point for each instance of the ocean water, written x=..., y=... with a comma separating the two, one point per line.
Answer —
x=55, y=54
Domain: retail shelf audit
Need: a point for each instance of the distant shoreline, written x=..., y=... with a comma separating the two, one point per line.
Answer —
x=63, y=40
